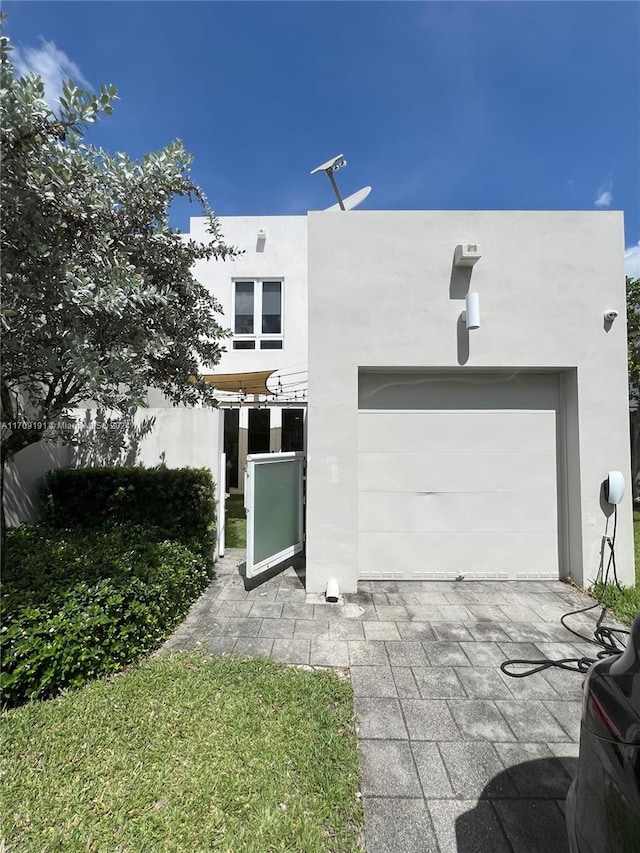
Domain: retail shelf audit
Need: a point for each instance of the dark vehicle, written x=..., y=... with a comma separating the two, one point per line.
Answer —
x=603, y=803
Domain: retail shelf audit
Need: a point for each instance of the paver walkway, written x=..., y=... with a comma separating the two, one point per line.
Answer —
x=456, y=756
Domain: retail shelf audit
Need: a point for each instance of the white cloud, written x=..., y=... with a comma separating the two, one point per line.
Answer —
x=50, y=63
x=632, y=261
x=604, y=196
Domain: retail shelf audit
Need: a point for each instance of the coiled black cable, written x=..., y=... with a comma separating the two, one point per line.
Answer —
x=603, y=636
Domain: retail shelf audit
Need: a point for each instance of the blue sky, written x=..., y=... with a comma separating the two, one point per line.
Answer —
x=437, y=105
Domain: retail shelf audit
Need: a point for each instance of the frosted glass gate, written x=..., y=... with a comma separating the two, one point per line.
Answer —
x=274, y=501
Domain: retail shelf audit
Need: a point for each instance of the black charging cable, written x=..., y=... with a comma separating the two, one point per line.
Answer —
x=604, y=637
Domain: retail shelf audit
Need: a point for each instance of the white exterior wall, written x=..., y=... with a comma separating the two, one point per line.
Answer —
x=383, y=293
x=283, y=255
x=176, y=436
x=24, y=480
x=179, y=437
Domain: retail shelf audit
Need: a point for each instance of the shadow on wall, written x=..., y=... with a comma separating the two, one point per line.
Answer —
x=23, y=480
x=527, y=800
x=103, y=441
x=460, y=280
x=97, y=441
x=459, y=285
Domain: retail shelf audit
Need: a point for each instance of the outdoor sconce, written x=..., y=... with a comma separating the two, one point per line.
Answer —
x=472, y=313
x=262, y=239
x=466, y=254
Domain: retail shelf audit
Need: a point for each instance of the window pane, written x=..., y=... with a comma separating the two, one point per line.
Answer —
x=244, y=344
x=277, y=522
x=244, y=308
x=258, y=437
x=244, y=324
x=270, y=344
x=271, y=297
x=271, y=308
x=231, y=434
x=292, y=430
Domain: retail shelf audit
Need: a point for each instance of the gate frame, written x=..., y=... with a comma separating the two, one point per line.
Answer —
x=255, y=459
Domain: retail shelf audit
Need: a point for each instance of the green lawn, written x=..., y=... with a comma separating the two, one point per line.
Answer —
x=626, y=603
x=236, y=522
x=186, y=753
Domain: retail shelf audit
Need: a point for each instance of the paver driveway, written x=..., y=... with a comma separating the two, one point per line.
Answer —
x=456, y=756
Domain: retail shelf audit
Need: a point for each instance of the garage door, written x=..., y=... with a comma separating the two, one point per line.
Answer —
x=445, y=493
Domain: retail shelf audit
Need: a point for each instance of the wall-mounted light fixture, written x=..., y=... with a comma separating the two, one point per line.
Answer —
x=261, y=240
x=472, y=312
x=466, y=254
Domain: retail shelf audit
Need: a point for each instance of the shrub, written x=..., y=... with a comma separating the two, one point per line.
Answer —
x=179, y=502
x=76, y=605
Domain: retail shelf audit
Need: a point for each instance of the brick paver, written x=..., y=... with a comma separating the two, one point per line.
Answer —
x=455, y=755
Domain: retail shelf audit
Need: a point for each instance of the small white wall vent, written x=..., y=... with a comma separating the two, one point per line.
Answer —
x=466, y=254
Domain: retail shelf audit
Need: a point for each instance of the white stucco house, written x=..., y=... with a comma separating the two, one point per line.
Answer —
x=263, y=294
x=434, y=450
x=437, y=451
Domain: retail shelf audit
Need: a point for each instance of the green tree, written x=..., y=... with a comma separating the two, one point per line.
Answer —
x=633, y=339
x=98, y=297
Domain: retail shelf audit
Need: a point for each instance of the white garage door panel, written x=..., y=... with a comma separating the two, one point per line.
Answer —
x=456, y=472
x=444, y=492
x=457, y=512
x=481, y=431
x=438, y=556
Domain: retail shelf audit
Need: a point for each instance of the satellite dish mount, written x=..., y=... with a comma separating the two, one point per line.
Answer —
x=351, y=201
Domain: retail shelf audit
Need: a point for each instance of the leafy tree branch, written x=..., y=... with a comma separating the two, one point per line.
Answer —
x=99, y=302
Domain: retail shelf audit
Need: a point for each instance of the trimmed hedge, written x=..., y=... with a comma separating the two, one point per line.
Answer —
x=179, y=502
x=80, y=604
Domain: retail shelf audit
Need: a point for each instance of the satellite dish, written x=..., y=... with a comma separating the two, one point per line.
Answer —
x=351, y=201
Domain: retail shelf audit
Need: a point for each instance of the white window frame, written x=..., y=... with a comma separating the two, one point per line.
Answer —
x=257, y=336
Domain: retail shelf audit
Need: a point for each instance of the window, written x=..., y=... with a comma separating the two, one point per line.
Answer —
x=258, y=433
x=271, y=308
x=244, y=308
x=231, y=435
x=257, y=315
x=292, y=430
